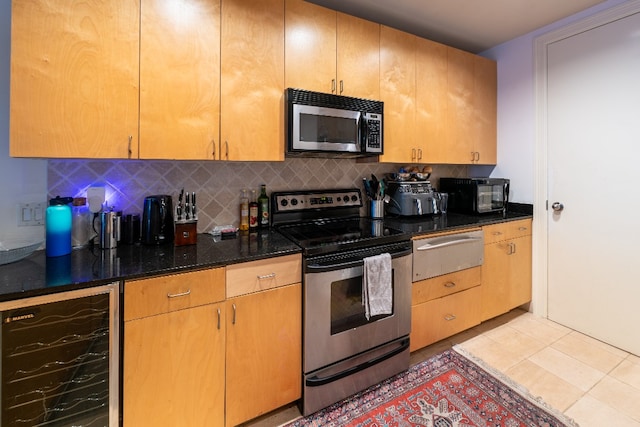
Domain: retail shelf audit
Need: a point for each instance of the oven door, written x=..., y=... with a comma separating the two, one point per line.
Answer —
x=335, y=326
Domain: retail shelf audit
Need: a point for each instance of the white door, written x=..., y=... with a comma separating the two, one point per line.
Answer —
x=593, y=107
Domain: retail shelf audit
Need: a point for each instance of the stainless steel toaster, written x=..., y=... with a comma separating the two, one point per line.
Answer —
x=409, y=198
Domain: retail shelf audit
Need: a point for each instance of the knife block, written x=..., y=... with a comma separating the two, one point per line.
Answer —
x=186, y=233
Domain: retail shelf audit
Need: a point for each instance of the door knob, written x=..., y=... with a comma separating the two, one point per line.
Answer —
x=557, y=206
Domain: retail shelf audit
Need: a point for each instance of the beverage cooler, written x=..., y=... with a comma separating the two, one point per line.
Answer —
x=60, y=356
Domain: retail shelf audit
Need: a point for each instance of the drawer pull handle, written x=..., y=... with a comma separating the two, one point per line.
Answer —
x=449, y=285
x=497, y=233
x=181, y=294
x=450, y=317
x=233, y=319
x=455, y=241
x=522, y=228
x=267, y=276
x=219, y=315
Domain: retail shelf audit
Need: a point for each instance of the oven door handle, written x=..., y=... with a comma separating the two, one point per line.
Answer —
x=316, y=382
x=321, y=268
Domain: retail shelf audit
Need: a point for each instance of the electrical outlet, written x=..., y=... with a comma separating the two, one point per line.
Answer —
x=30, y=214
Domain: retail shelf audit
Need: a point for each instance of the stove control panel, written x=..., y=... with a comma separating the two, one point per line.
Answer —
x=313, y=200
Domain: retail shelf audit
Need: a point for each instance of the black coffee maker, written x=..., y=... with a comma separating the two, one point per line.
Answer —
x=157, y=220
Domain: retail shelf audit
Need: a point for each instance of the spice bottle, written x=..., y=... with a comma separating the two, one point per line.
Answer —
x=244, y=211
x=263, y=207
x=253, y=212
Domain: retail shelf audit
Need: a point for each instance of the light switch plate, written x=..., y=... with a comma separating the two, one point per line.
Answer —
x=30, y=214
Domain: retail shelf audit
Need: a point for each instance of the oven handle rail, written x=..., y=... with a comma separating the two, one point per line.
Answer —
x=315, y=381
x=354, y=258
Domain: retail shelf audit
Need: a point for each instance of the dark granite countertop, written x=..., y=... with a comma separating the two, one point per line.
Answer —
x=38, y=275
x=417, y=226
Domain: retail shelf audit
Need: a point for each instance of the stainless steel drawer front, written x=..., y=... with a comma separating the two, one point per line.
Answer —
x=446, y=254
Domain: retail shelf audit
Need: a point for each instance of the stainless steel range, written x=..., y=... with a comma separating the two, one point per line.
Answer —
x=344, y=349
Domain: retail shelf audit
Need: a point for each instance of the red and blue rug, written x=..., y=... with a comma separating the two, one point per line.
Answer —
x=447, y=390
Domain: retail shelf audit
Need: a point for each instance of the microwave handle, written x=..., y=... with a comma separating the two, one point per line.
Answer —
x=363, y=132
x=505, y=189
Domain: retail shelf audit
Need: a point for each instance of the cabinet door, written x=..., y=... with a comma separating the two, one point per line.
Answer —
x=74, y=79
x=358, y=65
x=520, y=277
x=252, y=80
x=459, y=147
x=506, y=276
x=174, y=368
x=471, y=109
x=179, y=79
x=431, y=101
x=264, y=352
x=310, y=46
x=485, y=104
x=398, y=92
x=496, y=274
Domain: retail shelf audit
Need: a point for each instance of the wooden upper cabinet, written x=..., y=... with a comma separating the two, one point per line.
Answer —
x=252, y=80
x=471, y=109
x=331, y=52
x=398, y=92
x=74, y=79
x=485, y=106
x=358, y=57
x=310, y=46
x=179, y=79
x=431, y=100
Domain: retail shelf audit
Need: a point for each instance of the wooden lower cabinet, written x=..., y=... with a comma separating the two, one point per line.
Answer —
x=506, y=272
x=174, y=350
x=444, y=305
x=174, y=369
x=264, y=352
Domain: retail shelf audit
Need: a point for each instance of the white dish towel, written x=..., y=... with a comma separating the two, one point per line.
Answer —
x=377, y=292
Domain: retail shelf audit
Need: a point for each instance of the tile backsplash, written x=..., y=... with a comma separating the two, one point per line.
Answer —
x=217, y=184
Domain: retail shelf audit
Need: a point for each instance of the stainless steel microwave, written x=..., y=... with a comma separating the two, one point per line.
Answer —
x=325, y=125
x=476, y=195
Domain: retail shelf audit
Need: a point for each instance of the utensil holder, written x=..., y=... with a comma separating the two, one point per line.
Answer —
x=377, y=209
x=186, y=233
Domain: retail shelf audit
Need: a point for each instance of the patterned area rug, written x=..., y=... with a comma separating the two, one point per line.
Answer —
x=447, y=390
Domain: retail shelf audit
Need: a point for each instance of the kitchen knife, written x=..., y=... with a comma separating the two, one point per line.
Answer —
x=179, y=207
x=193, y=205
x=187, y=207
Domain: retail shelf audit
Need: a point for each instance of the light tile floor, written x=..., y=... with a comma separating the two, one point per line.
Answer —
x=593, y=383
